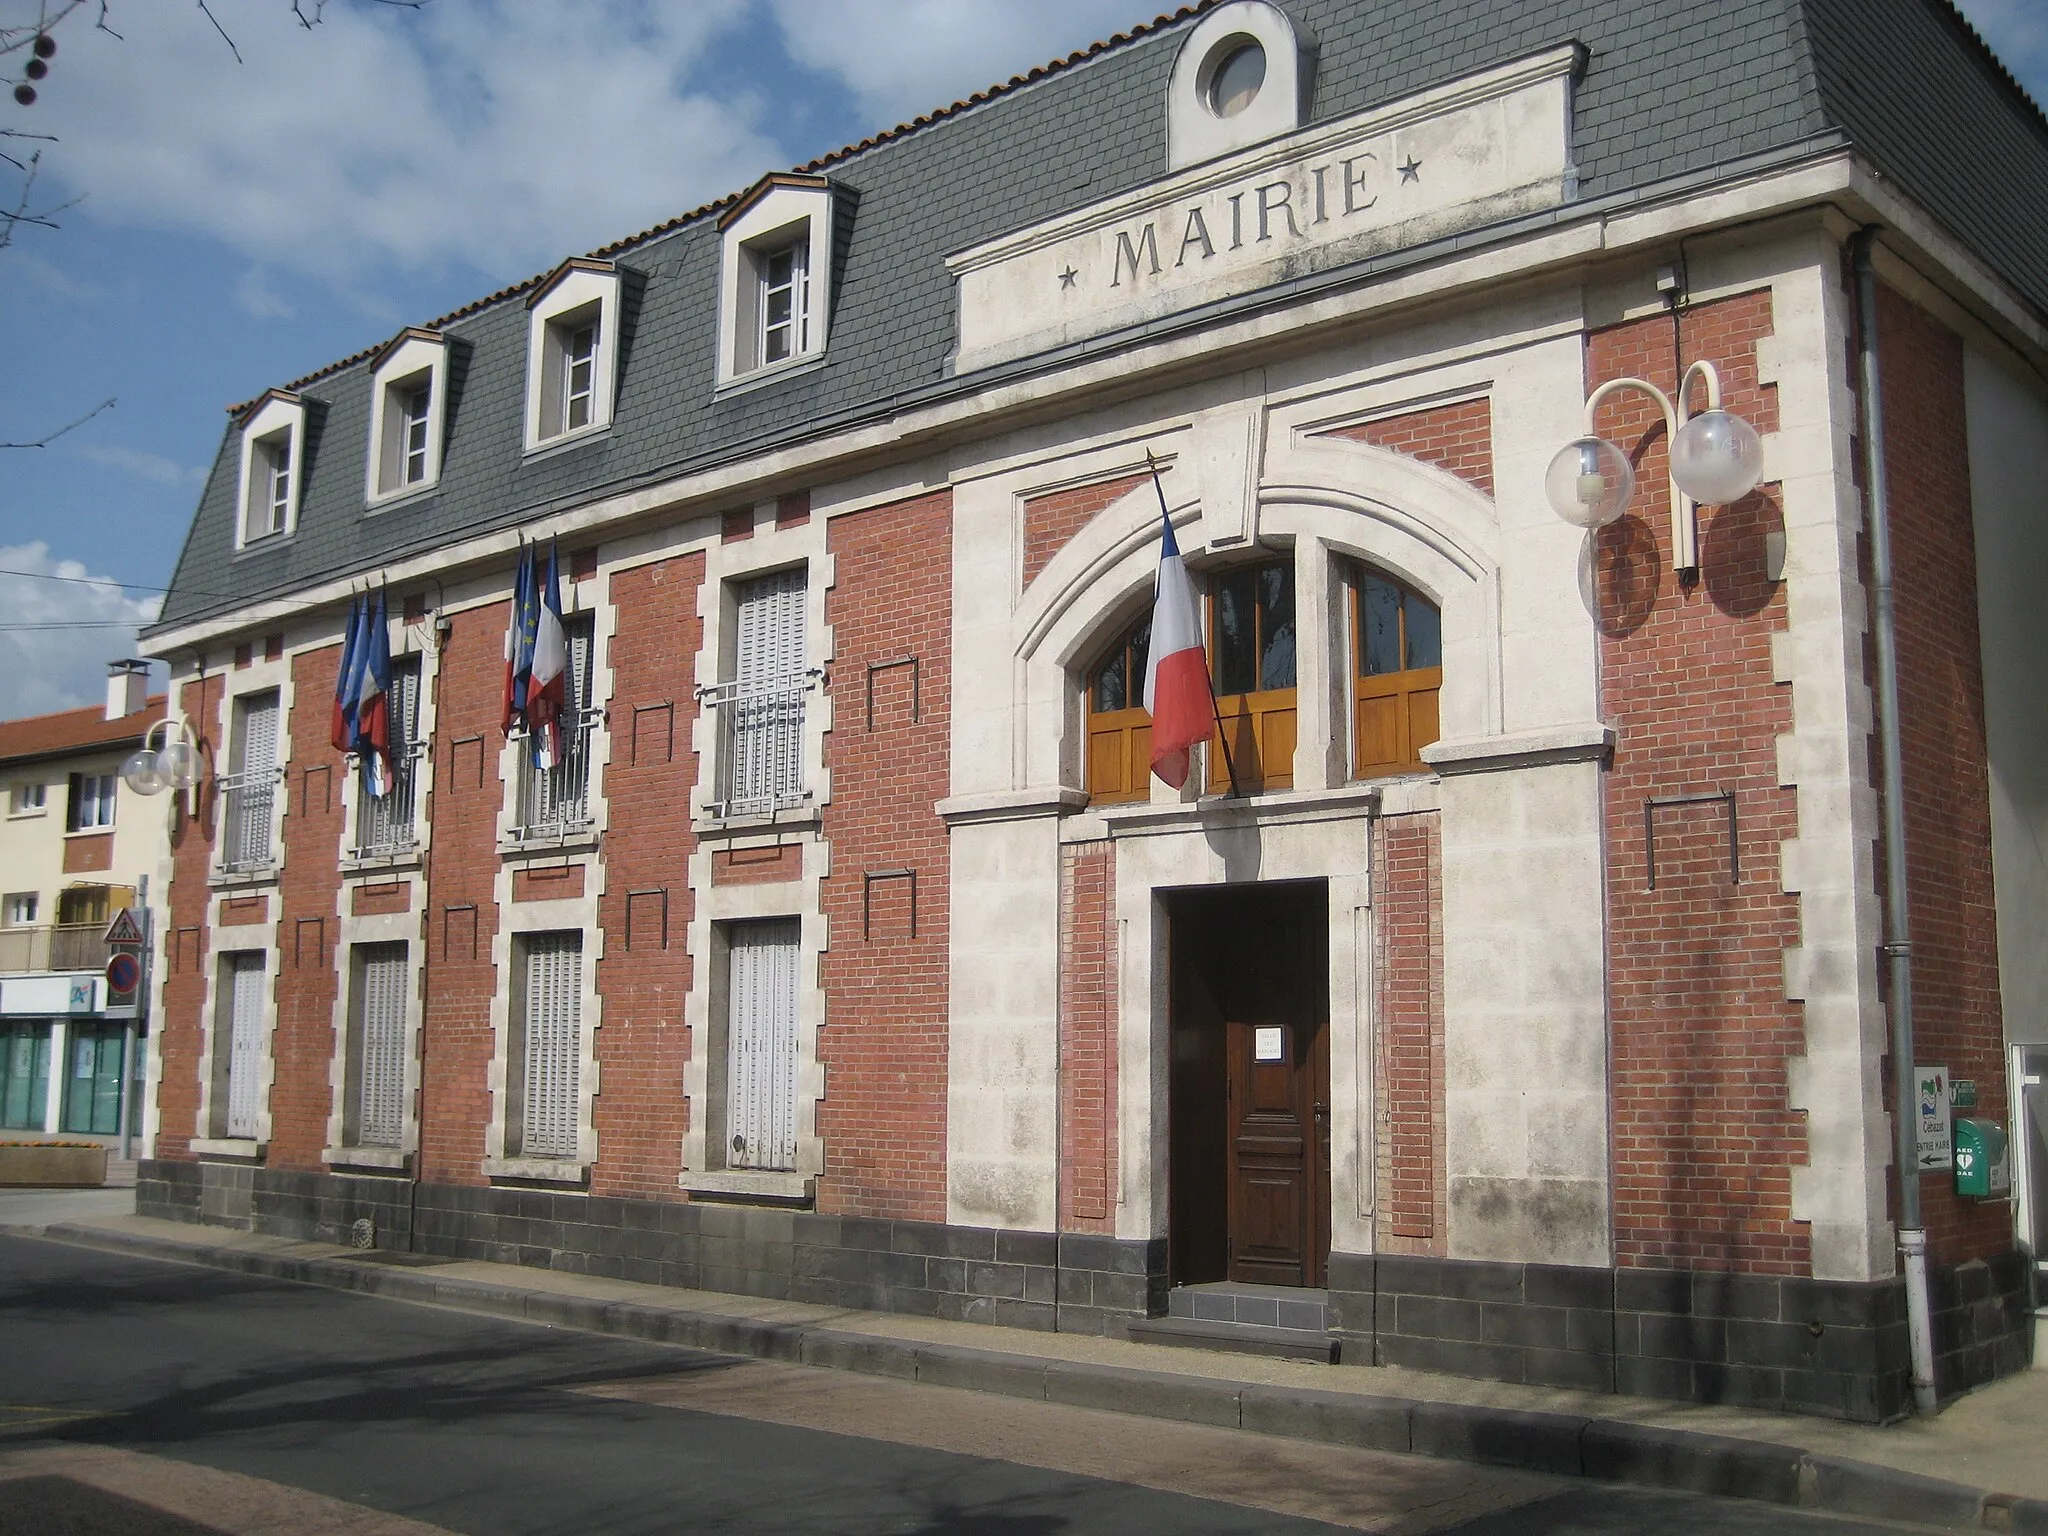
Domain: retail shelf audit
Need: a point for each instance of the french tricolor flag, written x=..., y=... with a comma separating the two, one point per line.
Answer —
x=1177, y=672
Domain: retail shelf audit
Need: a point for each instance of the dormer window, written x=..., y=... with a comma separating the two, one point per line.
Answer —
x=773, y=286
x=572, y=357
x=272, y=451
x=408, y=382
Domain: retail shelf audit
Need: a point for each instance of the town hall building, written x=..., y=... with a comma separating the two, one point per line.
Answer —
x=1605, y=441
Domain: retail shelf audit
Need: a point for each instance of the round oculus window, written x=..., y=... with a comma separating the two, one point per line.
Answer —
x=1239, y=72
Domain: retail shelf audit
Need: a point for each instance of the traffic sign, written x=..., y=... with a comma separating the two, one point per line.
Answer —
x=124, y=929
x=124, y=973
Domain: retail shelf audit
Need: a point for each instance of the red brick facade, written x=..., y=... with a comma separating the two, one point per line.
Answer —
x=188, y=947
x=757, y=866
x=1088, y=1037
x=302, y=1044
x=1458, y=438
x=1957, y=1018
x=883, y=1118
x=644, y=977
x=1054, y=518
x=1408, y=930
x=462, y=913
x=1704, y=1138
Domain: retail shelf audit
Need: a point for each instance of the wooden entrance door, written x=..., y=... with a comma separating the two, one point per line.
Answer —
x=1278, y=1140
x=1251, y=1074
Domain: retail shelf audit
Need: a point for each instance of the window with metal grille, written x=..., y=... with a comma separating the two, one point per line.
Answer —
x=249, y=791
x=551, y=1044
x=384, y=823
x=238, y=1058
x=555, y=801
x=760, y=1044
x=761, y=711
x=375, y=1108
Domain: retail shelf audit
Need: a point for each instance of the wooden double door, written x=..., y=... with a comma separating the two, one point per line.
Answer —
x=1250, y=1084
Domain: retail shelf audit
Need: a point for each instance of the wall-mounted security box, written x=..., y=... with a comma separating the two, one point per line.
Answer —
x=1983, y=1170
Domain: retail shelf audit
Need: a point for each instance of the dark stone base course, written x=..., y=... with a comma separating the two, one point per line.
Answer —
x=1833, y=1348
x=1076, y=1283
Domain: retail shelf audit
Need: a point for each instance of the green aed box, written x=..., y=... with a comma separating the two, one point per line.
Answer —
x=1983, y=1169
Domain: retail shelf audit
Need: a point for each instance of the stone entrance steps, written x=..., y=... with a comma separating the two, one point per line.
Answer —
x=1237, y=1318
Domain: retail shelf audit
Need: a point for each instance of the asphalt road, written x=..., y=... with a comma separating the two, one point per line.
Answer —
x=140, y=1398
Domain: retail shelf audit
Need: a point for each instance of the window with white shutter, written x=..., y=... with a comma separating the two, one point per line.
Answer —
x=384, y=823
x=379, y=1047
x=760, y=1045
x=556, y=800
x=551, y=1045
x=249, y=790
x=762, y=735
x=242, y=1079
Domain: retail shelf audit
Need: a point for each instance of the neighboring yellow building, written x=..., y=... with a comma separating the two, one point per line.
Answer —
x=75, y=842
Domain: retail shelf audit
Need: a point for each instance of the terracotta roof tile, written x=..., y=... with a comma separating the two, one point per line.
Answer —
x=74, y=730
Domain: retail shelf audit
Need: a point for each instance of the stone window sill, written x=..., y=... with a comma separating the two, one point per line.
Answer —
x=537, y=1170
x=237, y=1148
x=383, y=863
x=243, y=879
x=379, y=1159
x=573, y=842
x=748, y=1184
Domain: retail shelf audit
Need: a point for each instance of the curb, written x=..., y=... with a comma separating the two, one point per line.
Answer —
x=1571, y=1445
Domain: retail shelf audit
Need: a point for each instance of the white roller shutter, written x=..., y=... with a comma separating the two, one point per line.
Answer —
x=760, y=1091
x=249, y=809
x=245, y=1044
x=767, y=728
x=553, y=1044
x=380, y=1116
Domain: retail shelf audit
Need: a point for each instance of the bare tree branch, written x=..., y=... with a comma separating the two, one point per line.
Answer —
x=19, y=214
x=223, y=31
x=13, y=38
x=45, y=441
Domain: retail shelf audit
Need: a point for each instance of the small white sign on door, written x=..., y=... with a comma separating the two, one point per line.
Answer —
x=1934, y=1142
x=1268, y=1043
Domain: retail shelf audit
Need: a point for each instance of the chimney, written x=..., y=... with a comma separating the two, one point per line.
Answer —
x=127, y=687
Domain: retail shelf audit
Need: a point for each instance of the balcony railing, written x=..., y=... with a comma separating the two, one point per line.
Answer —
x=247, y=802
x=384, y=823
x=55, y=947
x=555, y=802
x=760, y=744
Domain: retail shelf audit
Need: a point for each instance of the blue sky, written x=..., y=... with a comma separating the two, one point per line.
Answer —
x=243, y=223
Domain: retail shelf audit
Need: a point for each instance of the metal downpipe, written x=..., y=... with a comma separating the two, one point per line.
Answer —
x=1898, y=946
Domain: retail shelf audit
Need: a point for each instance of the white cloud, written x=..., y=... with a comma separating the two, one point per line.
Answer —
x=902, y=58
x=46, y=668
x=496, y=133
x=142, y=464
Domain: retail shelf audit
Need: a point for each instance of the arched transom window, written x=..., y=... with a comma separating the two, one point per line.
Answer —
x=1398, y=671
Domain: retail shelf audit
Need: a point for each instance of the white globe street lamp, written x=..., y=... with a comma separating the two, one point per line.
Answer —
x=174, y=765
x=1716, y=457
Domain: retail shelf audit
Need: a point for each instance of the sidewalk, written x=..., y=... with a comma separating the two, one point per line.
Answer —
x=1982, y=1464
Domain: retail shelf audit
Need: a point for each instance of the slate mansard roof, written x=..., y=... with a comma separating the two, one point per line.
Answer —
x=1672, y=89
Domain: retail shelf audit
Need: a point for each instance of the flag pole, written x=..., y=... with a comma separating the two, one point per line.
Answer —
x=1216, y=709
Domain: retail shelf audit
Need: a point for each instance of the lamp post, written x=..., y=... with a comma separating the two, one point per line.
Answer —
x=1716, y=457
